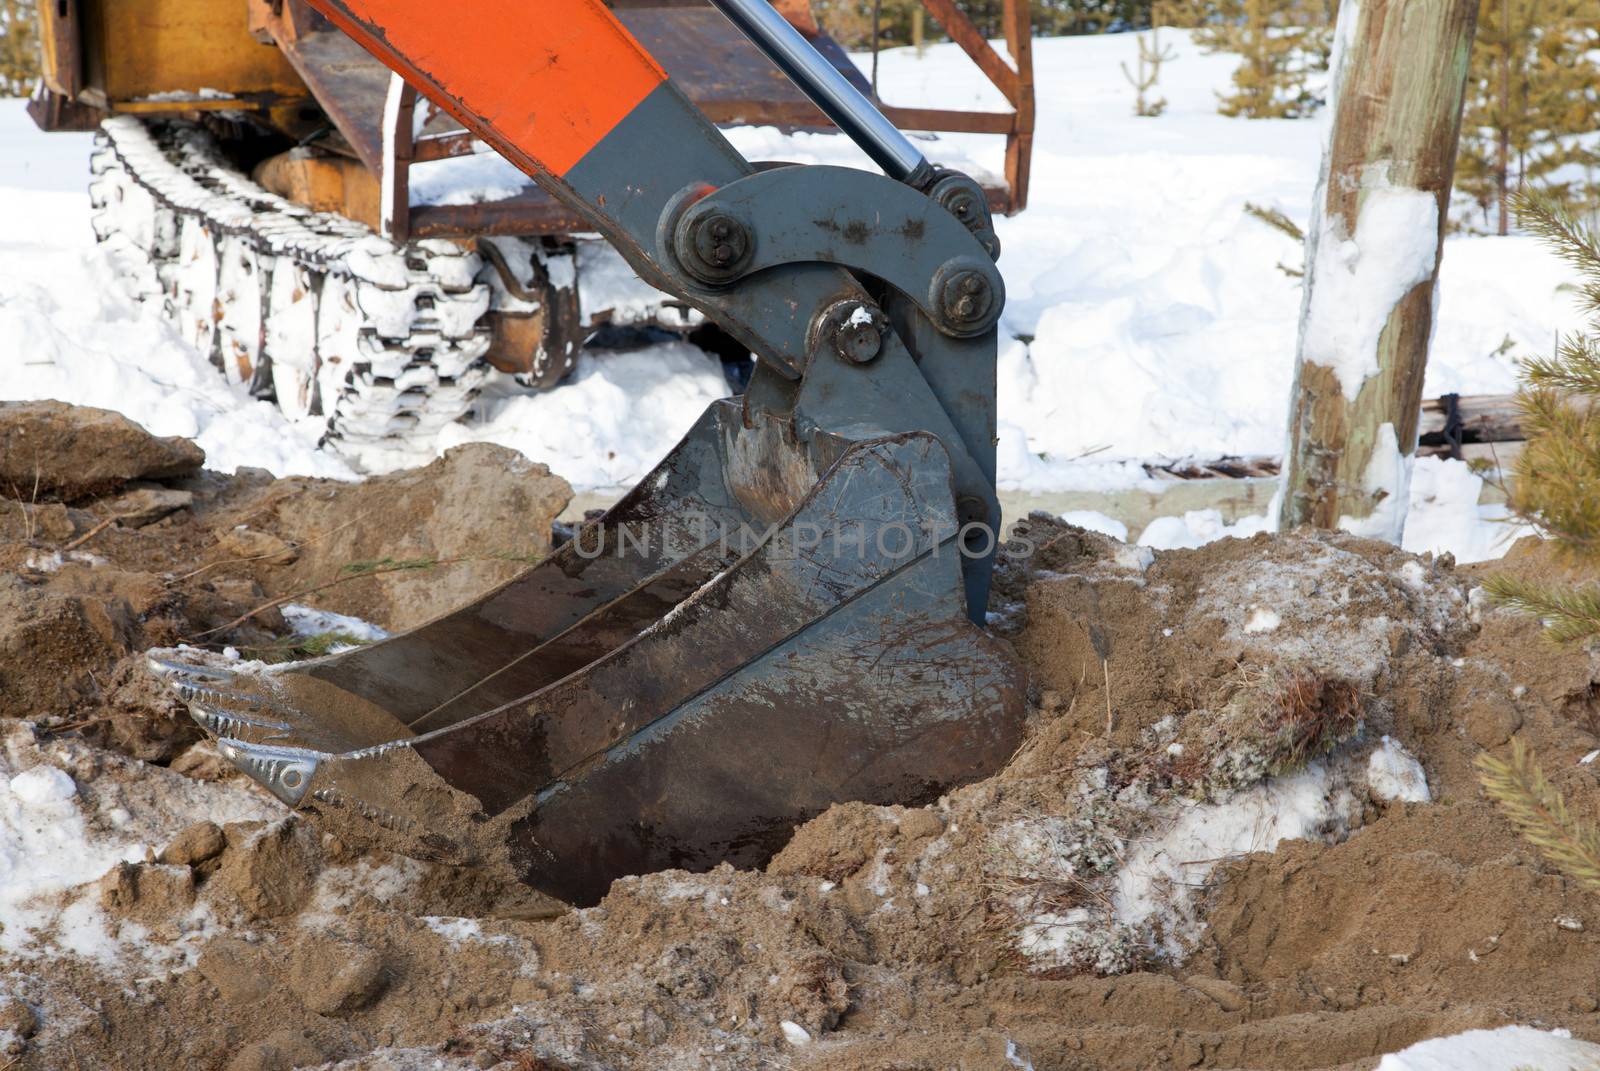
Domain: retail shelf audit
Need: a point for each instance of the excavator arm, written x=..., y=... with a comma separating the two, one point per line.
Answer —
x=571, y=98
x=787, y=611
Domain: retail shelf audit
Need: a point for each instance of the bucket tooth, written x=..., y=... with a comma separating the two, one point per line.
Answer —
x=285, y=772
x=226, y=725
x=169, y=668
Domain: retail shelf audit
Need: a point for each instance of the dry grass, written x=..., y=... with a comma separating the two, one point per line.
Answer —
x=1308, y=714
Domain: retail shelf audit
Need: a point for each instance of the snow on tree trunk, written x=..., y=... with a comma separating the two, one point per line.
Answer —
x=1372, y=254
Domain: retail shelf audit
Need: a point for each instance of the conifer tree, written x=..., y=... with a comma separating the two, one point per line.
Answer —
x=1555, y=484
x=1152, y=54
x=1530, y=102
x=1281, y=43
x=19, y=48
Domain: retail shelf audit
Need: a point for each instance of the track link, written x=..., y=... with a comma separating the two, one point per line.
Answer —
x=384, y=344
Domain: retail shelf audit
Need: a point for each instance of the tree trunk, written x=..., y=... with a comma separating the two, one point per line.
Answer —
x=1502, y=166
x=1372, y=255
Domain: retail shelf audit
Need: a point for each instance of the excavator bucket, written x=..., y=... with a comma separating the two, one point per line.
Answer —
x=786, y=613
x=696, y=676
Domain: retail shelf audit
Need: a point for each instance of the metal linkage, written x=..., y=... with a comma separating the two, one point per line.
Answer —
x=829, y=90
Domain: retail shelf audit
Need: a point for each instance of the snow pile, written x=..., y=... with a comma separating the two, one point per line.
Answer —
x=1510, y=1048
x=1394, y=774
x=46, y=851
x=1198, y=527
x=58, y=836
x=611, y=423
x=1095, y=521
x=1444, y=516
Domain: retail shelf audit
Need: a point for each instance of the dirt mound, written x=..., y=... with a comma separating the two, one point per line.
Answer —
x=426, y=540
x=51, y=450
x=208, y=559
x=1243, y=832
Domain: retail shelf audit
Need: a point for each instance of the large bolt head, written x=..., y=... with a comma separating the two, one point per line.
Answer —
x=967, y=298
x=720, y=241
x=861, y=344
x=855, y=331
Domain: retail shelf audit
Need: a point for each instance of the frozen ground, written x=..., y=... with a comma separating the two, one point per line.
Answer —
x=1148, y=317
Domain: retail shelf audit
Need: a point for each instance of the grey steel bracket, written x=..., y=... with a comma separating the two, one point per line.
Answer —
x=854, y=219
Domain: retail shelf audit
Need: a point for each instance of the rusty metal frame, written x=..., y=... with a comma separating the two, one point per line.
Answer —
x=1014, y=80
x=1015, y=83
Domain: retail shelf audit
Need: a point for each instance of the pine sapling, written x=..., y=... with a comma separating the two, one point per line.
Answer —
x=1151, y=56
x=1555, y=483
x=1540, y=814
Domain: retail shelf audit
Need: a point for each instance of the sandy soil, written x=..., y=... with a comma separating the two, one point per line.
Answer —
x=1243, y=832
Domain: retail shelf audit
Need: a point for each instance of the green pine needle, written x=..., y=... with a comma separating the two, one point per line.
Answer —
x=1570, y=613
x=1551, y=220
x=1575, y=367
x=1539, y=813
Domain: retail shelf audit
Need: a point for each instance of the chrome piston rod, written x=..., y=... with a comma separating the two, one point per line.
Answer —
x=828, y=89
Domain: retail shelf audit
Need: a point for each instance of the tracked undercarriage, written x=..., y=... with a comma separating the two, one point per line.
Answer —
x=313, y=309
x=383, y=344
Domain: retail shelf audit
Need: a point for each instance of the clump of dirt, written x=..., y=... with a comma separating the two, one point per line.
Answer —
x=152, y=554
x=51, y=450
x=1243, y=831
x=408, y=546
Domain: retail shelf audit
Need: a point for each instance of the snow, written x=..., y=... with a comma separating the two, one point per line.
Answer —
x=1510, y=1048
x=608, y=287
x=1387, y=483
x=466, y=180
x=1394, y=774
x=619, y=414
x=1444, y=516
x=1158, y=878
x=794, y=1033
x=57, y=837
x=45, y=850
x=1095, y=521
x=1163, y=874
x=1262, y=620
x=1360, y=278
x=486, y=176
x=309, y=621
x=1147, y=316
x=1196, y=528
x=42, y=786
x=459, y=931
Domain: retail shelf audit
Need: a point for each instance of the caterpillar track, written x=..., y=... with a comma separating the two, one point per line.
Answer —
x=383, y=344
